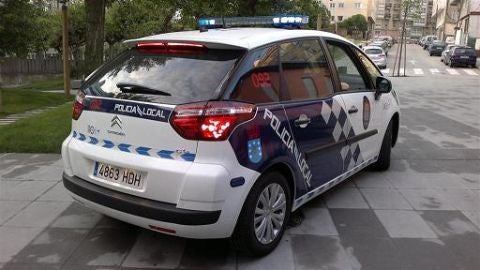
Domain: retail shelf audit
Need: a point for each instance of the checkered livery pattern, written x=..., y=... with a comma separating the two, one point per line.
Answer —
x=135, y=149
x=314, y=193
x=351, y=154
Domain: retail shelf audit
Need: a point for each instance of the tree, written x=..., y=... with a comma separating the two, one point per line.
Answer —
x=17, y=27
x=355, y=24
x=94, y=39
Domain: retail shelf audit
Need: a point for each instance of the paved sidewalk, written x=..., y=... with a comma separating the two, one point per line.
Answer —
x=424, y=213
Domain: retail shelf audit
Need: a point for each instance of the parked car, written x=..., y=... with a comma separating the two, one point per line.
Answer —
x=446, y=53
x=224, y=132
x=428, y=40
x=382, y=44
x=377, y=55
x=462, y=56
x=436, y=48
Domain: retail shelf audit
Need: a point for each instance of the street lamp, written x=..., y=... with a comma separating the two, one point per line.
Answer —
x=66, y=65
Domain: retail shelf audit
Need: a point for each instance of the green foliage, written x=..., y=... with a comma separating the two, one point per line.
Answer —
x=17, y=27
x=42, y=133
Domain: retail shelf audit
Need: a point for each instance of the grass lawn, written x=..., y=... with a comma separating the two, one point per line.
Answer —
x=48, y=84
x=17, y=100
x=42, y=133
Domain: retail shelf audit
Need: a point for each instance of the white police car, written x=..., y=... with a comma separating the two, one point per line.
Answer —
x=223, y=133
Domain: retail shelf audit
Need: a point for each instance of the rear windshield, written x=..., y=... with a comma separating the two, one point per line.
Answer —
x=373, y=51
x=464, y=51
x=176, y=78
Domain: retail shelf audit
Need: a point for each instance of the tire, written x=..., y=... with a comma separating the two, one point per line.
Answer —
x=431, y=54
x=383, y=162
x=451, y=64
x=244, y=238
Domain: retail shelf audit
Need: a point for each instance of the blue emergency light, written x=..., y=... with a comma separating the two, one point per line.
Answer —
x=284, y=21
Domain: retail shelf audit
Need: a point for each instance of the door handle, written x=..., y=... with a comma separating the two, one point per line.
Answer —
x=352, y=109
x=302, y=121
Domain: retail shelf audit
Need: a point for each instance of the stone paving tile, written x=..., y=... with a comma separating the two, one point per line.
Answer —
x=470, y=180
x=474, y=217
x=358, y=222
x=404, y=224
x=9, y=209
x=209, y=254
x=15, y=239
x=320, y=252
x=154, y=250
x=385, y=198
x=318, y=202
x=462, y=199
x=407, y=180
x=444, y=180
x=421, y=254
x=317, y=221
x=103, y=247
x=52, y=246
x=56, y=193
x=38, y=214
x=31, y=266
x=282, y=259
x=427, y=199
x=372, y=252
x=77, y=216
x=23, y=190
x=43, y=173
x=345, y=198
x=372, y=180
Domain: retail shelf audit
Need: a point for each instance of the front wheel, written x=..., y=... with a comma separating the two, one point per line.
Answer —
x=383, y=161
x=264, y=215
x=451, y=64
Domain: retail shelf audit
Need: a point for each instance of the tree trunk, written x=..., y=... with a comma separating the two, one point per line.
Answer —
x=95, y=10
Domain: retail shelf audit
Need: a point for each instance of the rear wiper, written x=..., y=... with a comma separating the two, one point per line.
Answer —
x=140, y=89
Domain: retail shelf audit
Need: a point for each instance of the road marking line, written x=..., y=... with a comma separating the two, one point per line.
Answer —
x=418, y=71
x=452, y=71
x=434, y=71
x=470, y=72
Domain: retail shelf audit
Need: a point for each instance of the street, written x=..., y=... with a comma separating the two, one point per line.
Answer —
x=423, y=213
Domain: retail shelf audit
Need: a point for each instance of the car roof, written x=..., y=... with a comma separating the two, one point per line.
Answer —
x=234, y=38
x=372, y=47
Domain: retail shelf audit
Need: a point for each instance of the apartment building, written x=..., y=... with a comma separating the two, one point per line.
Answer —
x=389, y=19
x=342, y=9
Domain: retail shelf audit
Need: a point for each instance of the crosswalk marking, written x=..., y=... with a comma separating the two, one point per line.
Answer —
x=452, y=71
x=418, y=71
x=470, y=72
x=434, y=71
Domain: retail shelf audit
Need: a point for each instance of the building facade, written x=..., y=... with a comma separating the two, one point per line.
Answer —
x=341, y=10
x=467, y=27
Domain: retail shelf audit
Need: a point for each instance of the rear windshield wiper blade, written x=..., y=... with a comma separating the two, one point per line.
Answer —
x=140, y=89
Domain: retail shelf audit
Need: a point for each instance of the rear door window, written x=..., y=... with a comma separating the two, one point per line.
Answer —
x=305, y=70
x=174, y=77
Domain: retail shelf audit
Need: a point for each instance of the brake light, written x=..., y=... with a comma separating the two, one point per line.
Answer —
x=212, y=121
x=382, y=55
x=78, y=105
x=170, y=47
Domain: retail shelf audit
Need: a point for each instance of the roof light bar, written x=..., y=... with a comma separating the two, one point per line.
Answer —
x=283, y=21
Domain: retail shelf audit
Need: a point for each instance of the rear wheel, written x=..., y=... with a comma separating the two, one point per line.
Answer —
x=383, y=162
x=264, y=215
x=451, y=64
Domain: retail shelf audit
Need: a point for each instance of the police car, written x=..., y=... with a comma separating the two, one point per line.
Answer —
x=224, y=132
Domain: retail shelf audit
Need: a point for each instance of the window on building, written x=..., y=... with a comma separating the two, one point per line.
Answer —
x=340, y=5
x=358, y=5
x=332, y=5
x=340, y=18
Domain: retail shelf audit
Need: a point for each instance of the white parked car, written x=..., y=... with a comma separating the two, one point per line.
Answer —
x=223, y=133
x=377, y=54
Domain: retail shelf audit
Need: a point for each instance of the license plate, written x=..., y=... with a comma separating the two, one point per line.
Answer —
x=464, y=57
x=125, y=177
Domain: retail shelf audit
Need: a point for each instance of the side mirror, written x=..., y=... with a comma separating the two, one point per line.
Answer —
x=383, y=85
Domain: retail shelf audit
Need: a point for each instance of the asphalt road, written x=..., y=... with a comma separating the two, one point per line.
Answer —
x=424, y=213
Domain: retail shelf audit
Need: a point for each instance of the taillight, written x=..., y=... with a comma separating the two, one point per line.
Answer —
x=212, y=121
x=382, y=55
x=171, y=47
x=78, y=105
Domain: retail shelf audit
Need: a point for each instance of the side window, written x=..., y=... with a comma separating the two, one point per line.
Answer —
x=305, y=70
x=372, y=70
x=350, y=77
x=261, y=82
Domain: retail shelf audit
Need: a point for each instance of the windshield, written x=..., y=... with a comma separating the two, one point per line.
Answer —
x=464, y=51
x=171, y=78
x=373, y=51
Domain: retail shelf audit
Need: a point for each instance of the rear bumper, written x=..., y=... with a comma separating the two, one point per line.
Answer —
x=137, y=206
